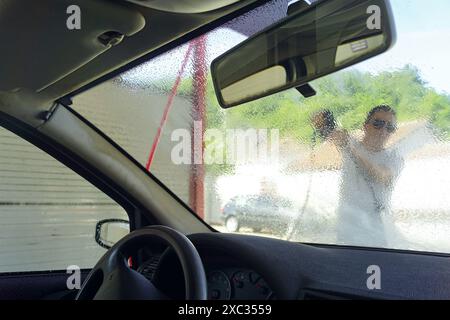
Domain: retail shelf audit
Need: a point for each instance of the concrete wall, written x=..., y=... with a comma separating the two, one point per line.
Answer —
x=47, y=212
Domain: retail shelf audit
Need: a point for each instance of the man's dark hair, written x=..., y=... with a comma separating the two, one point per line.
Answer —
x=383, y=107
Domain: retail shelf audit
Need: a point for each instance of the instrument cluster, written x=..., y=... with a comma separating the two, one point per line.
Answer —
x=237, y=284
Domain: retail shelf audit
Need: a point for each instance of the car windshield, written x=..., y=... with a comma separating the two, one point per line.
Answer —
x=365, y=162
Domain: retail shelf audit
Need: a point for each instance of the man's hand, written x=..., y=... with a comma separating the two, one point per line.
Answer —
x=340, y=138
x=318, y=120
x=323, y=123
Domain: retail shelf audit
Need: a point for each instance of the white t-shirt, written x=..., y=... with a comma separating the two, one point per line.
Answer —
x=364, y=209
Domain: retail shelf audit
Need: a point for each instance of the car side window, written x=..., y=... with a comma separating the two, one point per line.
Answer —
x=48, y=213
x=241, y=201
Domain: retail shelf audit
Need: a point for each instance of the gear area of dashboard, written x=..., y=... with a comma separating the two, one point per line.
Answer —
x=237, y=284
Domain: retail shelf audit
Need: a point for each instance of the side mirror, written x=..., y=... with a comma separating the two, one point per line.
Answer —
x=109, y=231
x=310, y=43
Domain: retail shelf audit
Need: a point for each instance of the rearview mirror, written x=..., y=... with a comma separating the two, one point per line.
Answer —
x=109, y=231
x=323, y=38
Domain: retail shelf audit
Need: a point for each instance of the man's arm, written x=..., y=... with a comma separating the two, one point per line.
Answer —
x=341, y=139
x=382, y=174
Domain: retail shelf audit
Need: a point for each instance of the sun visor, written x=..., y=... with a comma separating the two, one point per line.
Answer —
x=43, y=41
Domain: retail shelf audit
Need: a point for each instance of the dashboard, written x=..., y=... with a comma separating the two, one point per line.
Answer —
x=224, y=283
x=227, y=278
x=237, y=284
x=241, y=267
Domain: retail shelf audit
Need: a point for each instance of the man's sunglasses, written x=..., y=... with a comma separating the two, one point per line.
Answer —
x=380, y=124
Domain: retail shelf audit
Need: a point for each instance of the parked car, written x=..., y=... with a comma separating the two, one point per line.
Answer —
x=258, y=212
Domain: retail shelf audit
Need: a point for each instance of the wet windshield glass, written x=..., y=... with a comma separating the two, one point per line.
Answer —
x=365, y=162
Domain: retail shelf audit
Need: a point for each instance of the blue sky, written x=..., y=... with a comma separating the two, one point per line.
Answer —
x=423, y=39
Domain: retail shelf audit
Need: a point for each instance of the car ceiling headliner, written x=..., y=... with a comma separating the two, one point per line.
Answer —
x=42, y=60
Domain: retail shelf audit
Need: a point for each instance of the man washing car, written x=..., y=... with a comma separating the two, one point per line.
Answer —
x=369, y=172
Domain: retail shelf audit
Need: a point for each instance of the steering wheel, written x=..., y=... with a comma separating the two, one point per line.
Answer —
x=112, y=279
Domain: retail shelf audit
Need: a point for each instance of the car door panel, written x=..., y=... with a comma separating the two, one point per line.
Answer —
x=37, y=285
